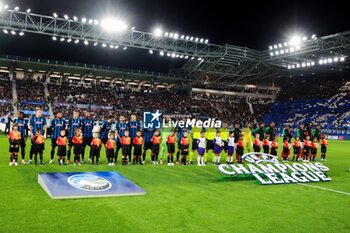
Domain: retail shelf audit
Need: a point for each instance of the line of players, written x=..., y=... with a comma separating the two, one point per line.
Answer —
x=128, y=135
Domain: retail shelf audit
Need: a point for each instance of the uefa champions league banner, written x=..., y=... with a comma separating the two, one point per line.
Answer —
x=63, y=185
x=267, y=170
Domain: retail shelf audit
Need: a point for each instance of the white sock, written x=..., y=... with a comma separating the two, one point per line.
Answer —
x=61, y=161
x=199, y=159
x=202, y=159
x=219, y=159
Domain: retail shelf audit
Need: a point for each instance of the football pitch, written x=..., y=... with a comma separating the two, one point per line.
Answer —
x=179, y=199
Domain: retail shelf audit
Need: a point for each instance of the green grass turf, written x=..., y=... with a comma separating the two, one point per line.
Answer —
x=179, y=199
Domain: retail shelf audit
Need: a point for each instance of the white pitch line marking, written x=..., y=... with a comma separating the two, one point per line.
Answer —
x=332, y=190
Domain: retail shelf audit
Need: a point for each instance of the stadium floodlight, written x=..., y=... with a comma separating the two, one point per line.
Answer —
x=292, y=49
x=158, y=32
x=285, y=44
x=173, y=55
x=133, y=28
x=21, y=34
x=281, y=51
x=125, y=48
x=16, y=8
x=181, y=56
x=325, y=61
x=28, y=10
x=303, y=64
x=201, y=40
x=54, y=38
x=206, y=41
x=293, y=66
x=96, y=22
x=91, y=21
x=104, y=45
x=13, y=32
x=69, y=40
x=76, y=41
x=286, y=50
x=176, y=36
x=330, y=60
x=161, y=53
x=6, y=7
x=297, y=47
x=280, y=45
x=186, y=57
x=111, y=46
x=116, y=47
x=55, y=15
x=177, y=55
x=275, y=46
x=312, y=63
x=196, y=39
x=342, y=59
x=313, y=37
x=192, y=58
x=277, y=53
x=150, y=51
x=83, y=20
x=113, y=25
x=182, y=37
x=191, y=39
x=86, y=42
x=166, y=34
x=66, y=16
x=308, y=64
x=270, y=47
x=199, y=59
x=298, y=65
x=5, y=31
x=295, y=40
x=304, y=38
x=289, y=67
x=62, y=39
x=75, y=18
x=336, y=59
x=271, y=54
x=95, y=44
x=320, y=62
x=168, y=54
x=187, y=38
x=171, y=35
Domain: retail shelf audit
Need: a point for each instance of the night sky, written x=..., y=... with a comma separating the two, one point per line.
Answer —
x=245, y=23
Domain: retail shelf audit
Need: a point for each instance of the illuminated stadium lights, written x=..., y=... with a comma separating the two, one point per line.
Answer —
x=83, y=20
x=312, y=63
x=285, y=44
x=304, y=38
x=292, y=49
x=166, y=34
x=282, y=51
x=270, y=47
x=303, y=64
x=161, y=53
x=158, y=32
x=13, y=32
x=176, y=36
x=66, y=16
x=173, y=55
x=192, y=58
x=150, y=51
x=279, y=45
x=187, y=38
x=91, y=21
x=275, y=47
x=171, y=35
x=5, y=31
x=6, y=7
x=75, y=18
x=271, y=54
x=86, y=42
x=54, y=38
x=125, y=48
x=196, y=39
x=298, y=65
x=111, y=46
x=62, y=39
x=55, y=15
x=76, y=41
x=21, y=34
x=201, y=40
x=104, y=45
x=186, y=57
x=16, y=8
x=96, y=22
x=342, y=59
x=206, y=41
x=113, y=25
x=313, y=37
x=69, y=40
x=191, y=39
x=177, y=55
x=28, y=10
x=277, y=53
x=182, y=37
x=168, y=54
x=95, y=44
x=116, y=47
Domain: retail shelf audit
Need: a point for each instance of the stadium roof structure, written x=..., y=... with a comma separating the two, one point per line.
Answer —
x=206, y=62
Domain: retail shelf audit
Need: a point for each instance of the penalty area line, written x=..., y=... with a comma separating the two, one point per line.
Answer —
x=327, y=189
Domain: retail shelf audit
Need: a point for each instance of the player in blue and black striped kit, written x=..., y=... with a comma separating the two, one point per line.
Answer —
x=37, y=122
x=57, y=125
x=134, y=126
x=121, y=126
x=87, y=126
x=23, y=128
x=73, y=124
x=148, y=145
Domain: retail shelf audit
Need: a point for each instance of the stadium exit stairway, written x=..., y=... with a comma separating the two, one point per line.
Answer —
x=47, y=94
x=14, y=97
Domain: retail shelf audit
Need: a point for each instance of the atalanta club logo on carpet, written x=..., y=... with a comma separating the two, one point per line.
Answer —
x=89, y=182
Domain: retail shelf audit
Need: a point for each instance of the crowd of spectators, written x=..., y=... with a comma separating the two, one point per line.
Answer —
x=31, y=94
